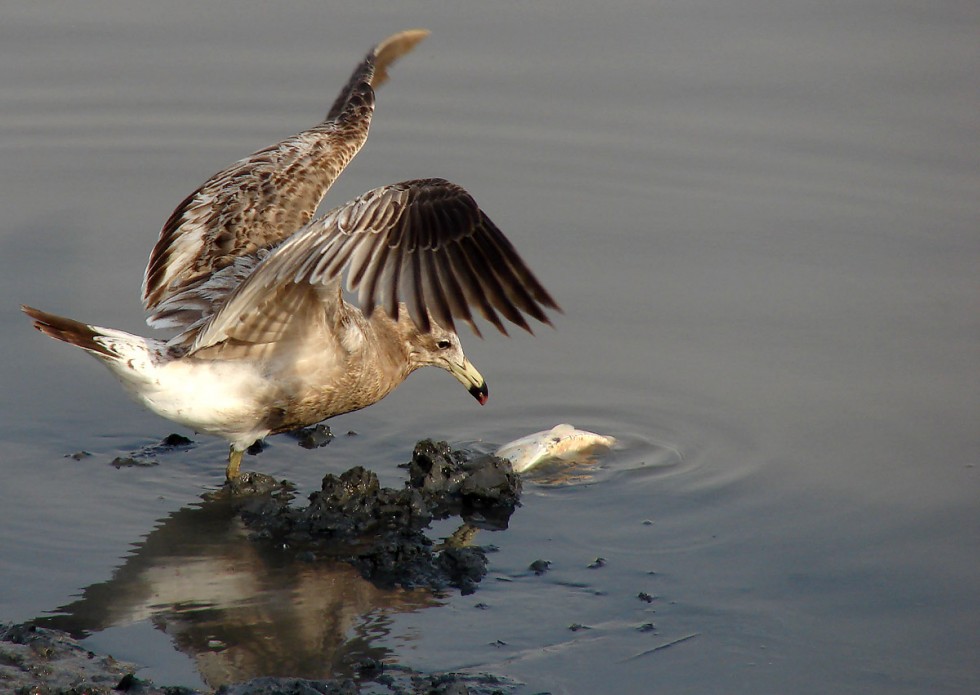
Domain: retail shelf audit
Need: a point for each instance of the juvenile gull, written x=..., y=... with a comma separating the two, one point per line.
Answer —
x=266, y=342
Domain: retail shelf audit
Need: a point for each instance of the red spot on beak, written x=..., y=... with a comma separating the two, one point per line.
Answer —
x=480, y=393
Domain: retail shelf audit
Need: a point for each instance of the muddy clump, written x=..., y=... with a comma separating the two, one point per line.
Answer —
x=40, y=661
x=34, y=660
x=381, y=531
x=147, y=455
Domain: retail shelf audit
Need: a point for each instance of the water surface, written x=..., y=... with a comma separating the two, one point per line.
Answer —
x=761, y=221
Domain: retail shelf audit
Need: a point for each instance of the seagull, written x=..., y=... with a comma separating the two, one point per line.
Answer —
x=255, y=287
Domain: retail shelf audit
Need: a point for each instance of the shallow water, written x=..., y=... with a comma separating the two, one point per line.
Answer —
x=761, y=221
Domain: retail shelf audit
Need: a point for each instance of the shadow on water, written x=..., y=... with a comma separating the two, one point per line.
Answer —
x=247, y=584
x=238, y=608
x=258, y=585
x=760, y=220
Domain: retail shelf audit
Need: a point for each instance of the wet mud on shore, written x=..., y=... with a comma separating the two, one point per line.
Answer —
x=380, y=533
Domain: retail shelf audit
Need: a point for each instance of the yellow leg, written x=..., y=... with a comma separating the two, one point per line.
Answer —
x=234, y=463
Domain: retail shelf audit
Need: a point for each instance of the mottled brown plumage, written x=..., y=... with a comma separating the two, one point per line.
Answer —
x=260, y=200
x=266, y=341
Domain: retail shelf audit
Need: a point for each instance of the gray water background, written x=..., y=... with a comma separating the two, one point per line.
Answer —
x=761, y=219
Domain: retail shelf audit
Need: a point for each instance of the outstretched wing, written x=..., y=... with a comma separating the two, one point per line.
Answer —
x=264, y=198
x=425, y=243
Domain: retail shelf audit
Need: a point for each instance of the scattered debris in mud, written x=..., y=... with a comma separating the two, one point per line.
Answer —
x=35, y=660
x=131, y=462
x=39, y=661
x=146, y=456
x=313, y=437
x=381, y=531
x=173, y=441
x=539, y=567
x=396, y=681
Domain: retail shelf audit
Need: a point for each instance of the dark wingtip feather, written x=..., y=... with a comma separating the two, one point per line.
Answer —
x=473, y=327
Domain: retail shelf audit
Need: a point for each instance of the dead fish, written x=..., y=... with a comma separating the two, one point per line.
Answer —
x=562, y=442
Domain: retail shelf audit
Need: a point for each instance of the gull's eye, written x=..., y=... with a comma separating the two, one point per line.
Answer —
x=443, y=345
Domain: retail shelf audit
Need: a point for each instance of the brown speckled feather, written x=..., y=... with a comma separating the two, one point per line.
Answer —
x=266, y=341
x=263, y=199
x=424, y=243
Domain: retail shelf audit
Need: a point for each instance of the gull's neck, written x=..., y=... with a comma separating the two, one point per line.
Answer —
x=389, y=340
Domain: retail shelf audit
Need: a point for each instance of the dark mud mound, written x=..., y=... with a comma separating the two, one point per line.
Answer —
x=38, y=661
x=381, y=531
x=398, y=681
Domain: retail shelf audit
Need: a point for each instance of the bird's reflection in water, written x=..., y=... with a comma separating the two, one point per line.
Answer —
x=241, y=609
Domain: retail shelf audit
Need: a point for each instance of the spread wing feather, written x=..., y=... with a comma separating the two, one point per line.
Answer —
x=264, y=198
x=425, y=243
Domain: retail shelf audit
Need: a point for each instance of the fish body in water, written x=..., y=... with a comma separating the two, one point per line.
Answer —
x=562, y=442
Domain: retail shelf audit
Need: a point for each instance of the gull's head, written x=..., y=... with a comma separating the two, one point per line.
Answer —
x=440, y=348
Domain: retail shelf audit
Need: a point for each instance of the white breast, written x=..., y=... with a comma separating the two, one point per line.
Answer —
x=221, y=398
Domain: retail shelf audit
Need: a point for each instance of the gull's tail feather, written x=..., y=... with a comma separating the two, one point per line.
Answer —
x=71, y=331
x=133, y=359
